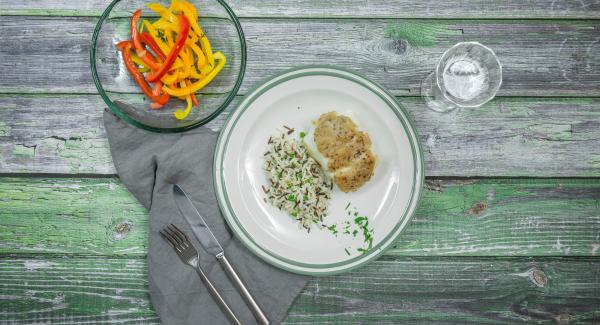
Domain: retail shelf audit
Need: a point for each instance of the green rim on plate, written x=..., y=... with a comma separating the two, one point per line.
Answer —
x=282, y=262
x=117, y=111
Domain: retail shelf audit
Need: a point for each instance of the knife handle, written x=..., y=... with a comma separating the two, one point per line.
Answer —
x=217, y=297
x=254, y=307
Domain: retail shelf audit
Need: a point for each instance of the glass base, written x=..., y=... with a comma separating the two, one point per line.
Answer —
x=433, y=95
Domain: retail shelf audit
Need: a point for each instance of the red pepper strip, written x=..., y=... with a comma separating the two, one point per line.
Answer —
x=148, y=40
x=140, y=50
x=125, y=47
x=157, y=88
x=184, y=29
x=155, y=105
x=194, y=99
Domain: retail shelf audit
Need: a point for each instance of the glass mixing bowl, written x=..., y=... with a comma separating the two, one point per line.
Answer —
x=122, y=94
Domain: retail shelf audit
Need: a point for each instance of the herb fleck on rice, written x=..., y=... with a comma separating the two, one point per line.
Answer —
x=298, y=184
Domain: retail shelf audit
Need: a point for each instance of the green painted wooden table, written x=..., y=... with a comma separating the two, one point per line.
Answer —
x=508, y=230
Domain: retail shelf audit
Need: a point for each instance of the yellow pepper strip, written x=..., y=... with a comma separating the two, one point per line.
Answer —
x=196, y=75
x=206, y=48
x=166, y=14
x=191, y=42
x=176, y=65
x=169, y=78
x=154, y=33
x=187, y=61
x=201, y=83
x=137, y=60
x=157, y=8
x=190, y=13
x=182, y=114
x=205, y=70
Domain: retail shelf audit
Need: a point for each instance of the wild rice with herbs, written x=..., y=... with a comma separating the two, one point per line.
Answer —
x=298, y=184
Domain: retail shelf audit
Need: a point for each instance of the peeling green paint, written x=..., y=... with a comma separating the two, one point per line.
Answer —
x=4, y=129
x=71, y=216
x=595, y=161
x=420, y=34
x=23, y=150
x=83, y=155
x=489, y=217
x=556, y=132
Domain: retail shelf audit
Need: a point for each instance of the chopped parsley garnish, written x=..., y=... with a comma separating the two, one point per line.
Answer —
x=302, y=134
x=333, y=229
x=358, y=225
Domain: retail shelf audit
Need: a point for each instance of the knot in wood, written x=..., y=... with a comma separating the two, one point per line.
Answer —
x=538, y=277
x=121, y=230
x=396, y=46
x=478, y=208
x=562, y=319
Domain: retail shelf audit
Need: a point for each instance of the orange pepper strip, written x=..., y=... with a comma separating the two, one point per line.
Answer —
x=194, y=99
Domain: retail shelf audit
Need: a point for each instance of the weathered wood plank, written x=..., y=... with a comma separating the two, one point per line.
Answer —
x=389, y=291
x=81, y=216
x=74, y=291
x=506, y=137
x=475, y=218
x=540, y=58
x=346, y=8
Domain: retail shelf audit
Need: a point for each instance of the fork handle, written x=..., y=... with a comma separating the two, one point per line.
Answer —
x=217, y=297
x=237, y=281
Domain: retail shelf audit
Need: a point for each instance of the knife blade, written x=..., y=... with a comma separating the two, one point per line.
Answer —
x=197, y=223
x=210, y=243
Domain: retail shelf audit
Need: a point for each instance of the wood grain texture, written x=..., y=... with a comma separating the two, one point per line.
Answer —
x=74, y=291
x=388, y=291
x=540, y=58
x=459, y=218
x=506, y=137
x=345, y=8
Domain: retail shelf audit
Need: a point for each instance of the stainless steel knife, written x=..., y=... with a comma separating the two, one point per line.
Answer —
x=212, y=246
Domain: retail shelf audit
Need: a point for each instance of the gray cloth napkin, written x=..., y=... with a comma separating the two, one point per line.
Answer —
x=149, y=164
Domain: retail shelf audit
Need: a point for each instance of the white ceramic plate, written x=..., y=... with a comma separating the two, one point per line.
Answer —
x=295, y=99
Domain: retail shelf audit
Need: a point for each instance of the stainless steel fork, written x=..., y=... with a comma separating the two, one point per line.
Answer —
x=189, y=255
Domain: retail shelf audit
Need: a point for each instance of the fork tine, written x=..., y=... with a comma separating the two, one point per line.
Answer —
x=176, y=234
x=164, y=236
x=181, y=233
x=171, y=239
x=173, y=235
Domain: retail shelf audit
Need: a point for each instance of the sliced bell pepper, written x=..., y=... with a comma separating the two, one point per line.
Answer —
x=147, y=39
x=136, y=59
x=201, y=59
x=137, y=44
x=190, y=13
x=125, y=47
x=174, y=51
x=182, y=114
x=194, y=98
x=201, y=83
x=207, y=49
x=179, y=43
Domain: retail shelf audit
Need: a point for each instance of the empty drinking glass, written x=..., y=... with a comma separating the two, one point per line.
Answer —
x=467, y=75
